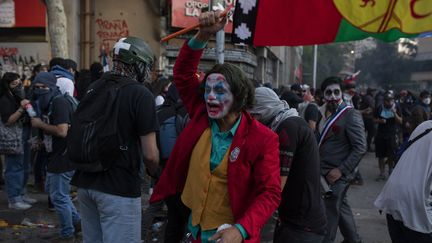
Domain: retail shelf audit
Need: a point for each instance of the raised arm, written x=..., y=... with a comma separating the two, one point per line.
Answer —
x=186, y=66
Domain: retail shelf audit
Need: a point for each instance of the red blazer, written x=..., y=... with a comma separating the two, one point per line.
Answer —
x=253, y=175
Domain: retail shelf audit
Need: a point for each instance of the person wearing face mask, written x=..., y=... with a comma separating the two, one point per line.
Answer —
x=55, y=118
x=388, y=116
x=342, y=144
x=302, y=217
x=12, y=112
x=110, y=200
x=225, y=164
x=424, y=103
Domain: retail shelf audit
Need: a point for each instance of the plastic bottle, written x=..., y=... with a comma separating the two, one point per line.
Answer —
x=30, y=111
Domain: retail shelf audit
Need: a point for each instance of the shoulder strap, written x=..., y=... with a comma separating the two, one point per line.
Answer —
x=410, y=142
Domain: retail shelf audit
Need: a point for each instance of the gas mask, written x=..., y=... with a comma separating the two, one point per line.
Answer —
x=18, y=92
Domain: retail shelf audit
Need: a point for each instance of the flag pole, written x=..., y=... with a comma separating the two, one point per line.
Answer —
x=315, y=65
x=190, y=28
x=220, y=35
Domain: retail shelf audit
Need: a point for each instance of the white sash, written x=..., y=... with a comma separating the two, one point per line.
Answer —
x=330, y=122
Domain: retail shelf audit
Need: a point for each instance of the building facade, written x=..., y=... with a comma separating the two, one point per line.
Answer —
x=93, y=26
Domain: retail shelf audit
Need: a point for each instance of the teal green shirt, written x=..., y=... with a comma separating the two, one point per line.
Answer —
x=221, y=141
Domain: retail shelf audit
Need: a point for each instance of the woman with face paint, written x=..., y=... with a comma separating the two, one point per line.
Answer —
x=225, y=164
x=12, y=112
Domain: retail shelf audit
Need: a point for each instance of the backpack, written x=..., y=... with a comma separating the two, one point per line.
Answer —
x=172, y=120
x=73, y=102
x=93, y=143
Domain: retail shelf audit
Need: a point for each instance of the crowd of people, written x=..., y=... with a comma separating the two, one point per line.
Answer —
x=223, y=155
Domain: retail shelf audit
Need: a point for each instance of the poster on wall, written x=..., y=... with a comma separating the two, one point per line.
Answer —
x=7, y=13
x=22, y=13
x=185, y=12
x=22, y=57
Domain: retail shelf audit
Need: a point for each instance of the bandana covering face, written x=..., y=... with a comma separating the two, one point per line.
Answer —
x=270, y=108
x=218, y=96
x=139, y=72
x=44, y=96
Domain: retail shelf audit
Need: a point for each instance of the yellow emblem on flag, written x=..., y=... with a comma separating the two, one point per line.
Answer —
x=377, y=16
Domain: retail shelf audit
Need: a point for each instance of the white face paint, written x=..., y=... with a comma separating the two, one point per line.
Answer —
x=333, y=93
x=218, y=96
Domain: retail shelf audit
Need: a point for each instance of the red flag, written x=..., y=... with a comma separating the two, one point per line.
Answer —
x=300, y=22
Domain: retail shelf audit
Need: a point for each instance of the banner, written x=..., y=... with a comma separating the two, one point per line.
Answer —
x=299, y=22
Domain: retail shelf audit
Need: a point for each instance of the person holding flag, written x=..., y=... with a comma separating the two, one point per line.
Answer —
x=225, y=164
x=342, y=144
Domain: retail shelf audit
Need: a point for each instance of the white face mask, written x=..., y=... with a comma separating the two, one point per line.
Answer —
x=427, y=101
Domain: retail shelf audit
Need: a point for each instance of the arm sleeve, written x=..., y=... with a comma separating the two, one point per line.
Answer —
x=242, y=230
x=185, y=78
x=145, y=113
x=61, y=111
x=287, y=147
x=6, y=108
x=357, y=139
x=312, y=113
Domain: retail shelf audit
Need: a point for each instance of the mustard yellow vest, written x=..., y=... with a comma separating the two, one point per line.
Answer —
x=206, y=192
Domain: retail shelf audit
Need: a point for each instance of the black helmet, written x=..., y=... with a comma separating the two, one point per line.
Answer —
x=132, y=50
x=388, y=95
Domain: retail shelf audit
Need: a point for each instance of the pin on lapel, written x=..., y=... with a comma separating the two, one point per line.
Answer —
x=234, y=154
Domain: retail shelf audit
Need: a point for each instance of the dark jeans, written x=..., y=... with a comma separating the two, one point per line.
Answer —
x=371, y=131
x=39, y=169
x=285, y=233
x=178, y=215
x=401, y=234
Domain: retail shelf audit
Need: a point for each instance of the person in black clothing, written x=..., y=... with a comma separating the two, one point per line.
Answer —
x=366, y=108
x=110, y=200
x=56, y=118
x=12, y=113
x=301, y=212
x=388, y=116
x=172, y=116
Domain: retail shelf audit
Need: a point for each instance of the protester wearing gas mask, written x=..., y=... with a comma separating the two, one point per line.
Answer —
x=12, y=112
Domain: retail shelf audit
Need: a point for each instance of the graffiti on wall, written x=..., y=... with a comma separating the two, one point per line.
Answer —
x=21, y=60
x=109, y=31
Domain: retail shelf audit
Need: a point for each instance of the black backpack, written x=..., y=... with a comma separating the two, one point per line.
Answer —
x=93, y=140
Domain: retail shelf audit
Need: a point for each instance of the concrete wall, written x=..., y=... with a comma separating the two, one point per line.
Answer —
x=424, y=51
x=115, y=19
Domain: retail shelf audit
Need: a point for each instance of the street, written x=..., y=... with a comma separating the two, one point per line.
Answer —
x=371, y=225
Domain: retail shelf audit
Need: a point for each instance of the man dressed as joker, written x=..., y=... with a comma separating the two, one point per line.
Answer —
x=342, y=144
x=225, y=164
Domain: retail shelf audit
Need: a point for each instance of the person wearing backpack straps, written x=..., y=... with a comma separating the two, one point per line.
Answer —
x=109, y=190
x=56, y=112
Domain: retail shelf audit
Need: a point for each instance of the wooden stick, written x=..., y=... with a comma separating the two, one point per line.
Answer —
x=190, y=28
